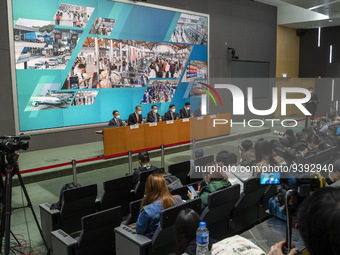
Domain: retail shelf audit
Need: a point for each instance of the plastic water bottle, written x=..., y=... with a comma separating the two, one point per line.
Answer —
x=202, y=239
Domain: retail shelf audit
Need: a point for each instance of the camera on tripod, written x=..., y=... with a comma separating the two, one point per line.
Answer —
x=14, y=143
x=278, y=133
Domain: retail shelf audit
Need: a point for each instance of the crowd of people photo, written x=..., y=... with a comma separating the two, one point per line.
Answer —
x=159, y=91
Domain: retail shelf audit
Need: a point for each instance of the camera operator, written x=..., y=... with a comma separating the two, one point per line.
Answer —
x=264, y=156
x=319, y=220
x=334, y=176
x=334, y=119
x=282, y=149
x=315, y=144
x=247, y=153
x=333, y=140
x=323, y=126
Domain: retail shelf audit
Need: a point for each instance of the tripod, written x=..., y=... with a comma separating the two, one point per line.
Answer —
x=9, y=167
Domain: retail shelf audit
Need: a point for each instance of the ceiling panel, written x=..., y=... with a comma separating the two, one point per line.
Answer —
x=330, y=10
x=309, y=3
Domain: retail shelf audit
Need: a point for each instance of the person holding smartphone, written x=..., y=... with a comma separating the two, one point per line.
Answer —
x=215, y=181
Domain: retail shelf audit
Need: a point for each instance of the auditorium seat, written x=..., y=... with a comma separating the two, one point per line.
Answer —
x=138, y=193
x=117, y=192
x=134, y=209
x=163, y=241
x=183, y=191
x=245, y=212
x=181, y=171
x=217, y=213
x=324, y=157
x=76, y=204
x=97, y=235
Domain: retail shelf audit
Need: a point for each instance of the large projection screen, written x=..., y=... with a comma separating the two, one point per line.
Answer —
x=77, y=61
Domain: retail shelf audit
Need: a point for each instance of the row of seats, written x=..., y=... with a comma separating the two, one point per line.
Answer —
x=227, y=213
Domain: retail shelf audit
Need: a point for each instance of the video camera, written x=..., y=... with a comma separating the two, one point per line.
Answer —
x=14, y=143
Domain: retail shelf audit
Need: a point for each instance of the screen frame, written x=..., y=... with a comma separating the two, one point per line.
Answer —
x=85, y=126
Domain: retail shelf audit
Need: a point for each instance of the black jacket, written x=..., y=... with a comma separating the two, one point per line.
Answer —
x=184, y=113
x=133, y=119
x=151, y=117
x=116, y=123
x=167, y=116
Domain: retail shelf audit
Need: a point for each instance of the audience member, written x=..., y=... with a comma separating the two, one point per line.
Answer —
x=215, y=181
x=136, y=117
x=144, y=162
x=156, y=198
x=263, y=156
x=247, y=153
x=186, y=225
x=116, y=121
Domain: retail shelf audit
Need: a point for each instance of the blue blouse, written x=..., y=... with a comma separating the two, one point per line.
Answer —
x=149, y=218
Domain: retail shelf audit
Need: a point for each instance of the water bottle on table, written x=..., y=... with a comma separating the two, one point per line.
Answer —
x=202, y=239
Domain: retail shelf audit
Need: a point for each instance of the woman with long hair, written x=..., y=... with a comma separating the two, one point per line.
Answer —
x=186, y=225
x=156, y=198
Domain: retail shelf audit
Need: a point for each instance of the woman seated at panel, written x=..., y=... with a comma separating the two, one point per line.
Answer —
x=156, y=198
x=215, y=181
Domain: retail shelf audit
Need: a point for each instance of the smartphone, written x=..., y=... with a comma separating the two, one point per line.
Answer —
x=191, y=188
x=270, y=178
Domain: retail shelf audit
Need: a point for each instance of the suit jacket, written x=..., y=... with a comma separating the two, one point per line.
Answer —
x=151, y=117
x=167, y=116
x=184, y=113
x=116, y=123
x=133, y=119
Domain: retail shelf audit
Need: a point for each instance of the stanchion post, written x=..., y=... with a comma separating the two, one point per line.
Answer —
x=130, y=161
x=162, y=156
x=193, y=146
x=74, y=170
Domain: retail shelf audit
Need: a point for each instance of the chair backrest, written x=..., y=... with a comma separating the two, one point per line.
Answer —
x=134, y=212
x=245, y=212
x=76, y=204
x=97, y=235
x=117, y=192
x=163, y=241
x=183, y=191
x=203, y=161
x=324, y=156
x=220, y=204
x=143, y=176
x=180, y=170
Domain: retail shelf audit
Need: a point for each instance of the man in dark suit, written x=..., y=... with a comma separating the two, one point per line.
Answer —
x=185, y=111
x=116, y=121
x=171, y=114
x=153, y=115
x=136, y=117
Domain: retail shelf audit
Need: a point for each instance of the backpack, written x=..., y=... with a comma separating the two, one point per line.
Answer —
x=173, y=182
x=275, y=209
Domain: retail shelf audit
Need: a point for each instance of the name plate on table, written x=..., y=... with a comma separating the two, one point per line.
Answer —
x=186, y=120
x=152, y=124
x=200, y=118
x=134, y=126
x=169, y=122
x=212, y=116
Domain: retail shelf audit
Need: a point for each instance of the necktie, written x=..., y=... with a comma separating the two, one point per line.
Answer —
x=137, y=117
x=172, y=116
x=155, y=117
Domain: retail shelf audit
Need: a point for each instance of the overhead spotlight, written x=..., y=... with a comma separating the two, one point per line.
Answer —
x=233, y=53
